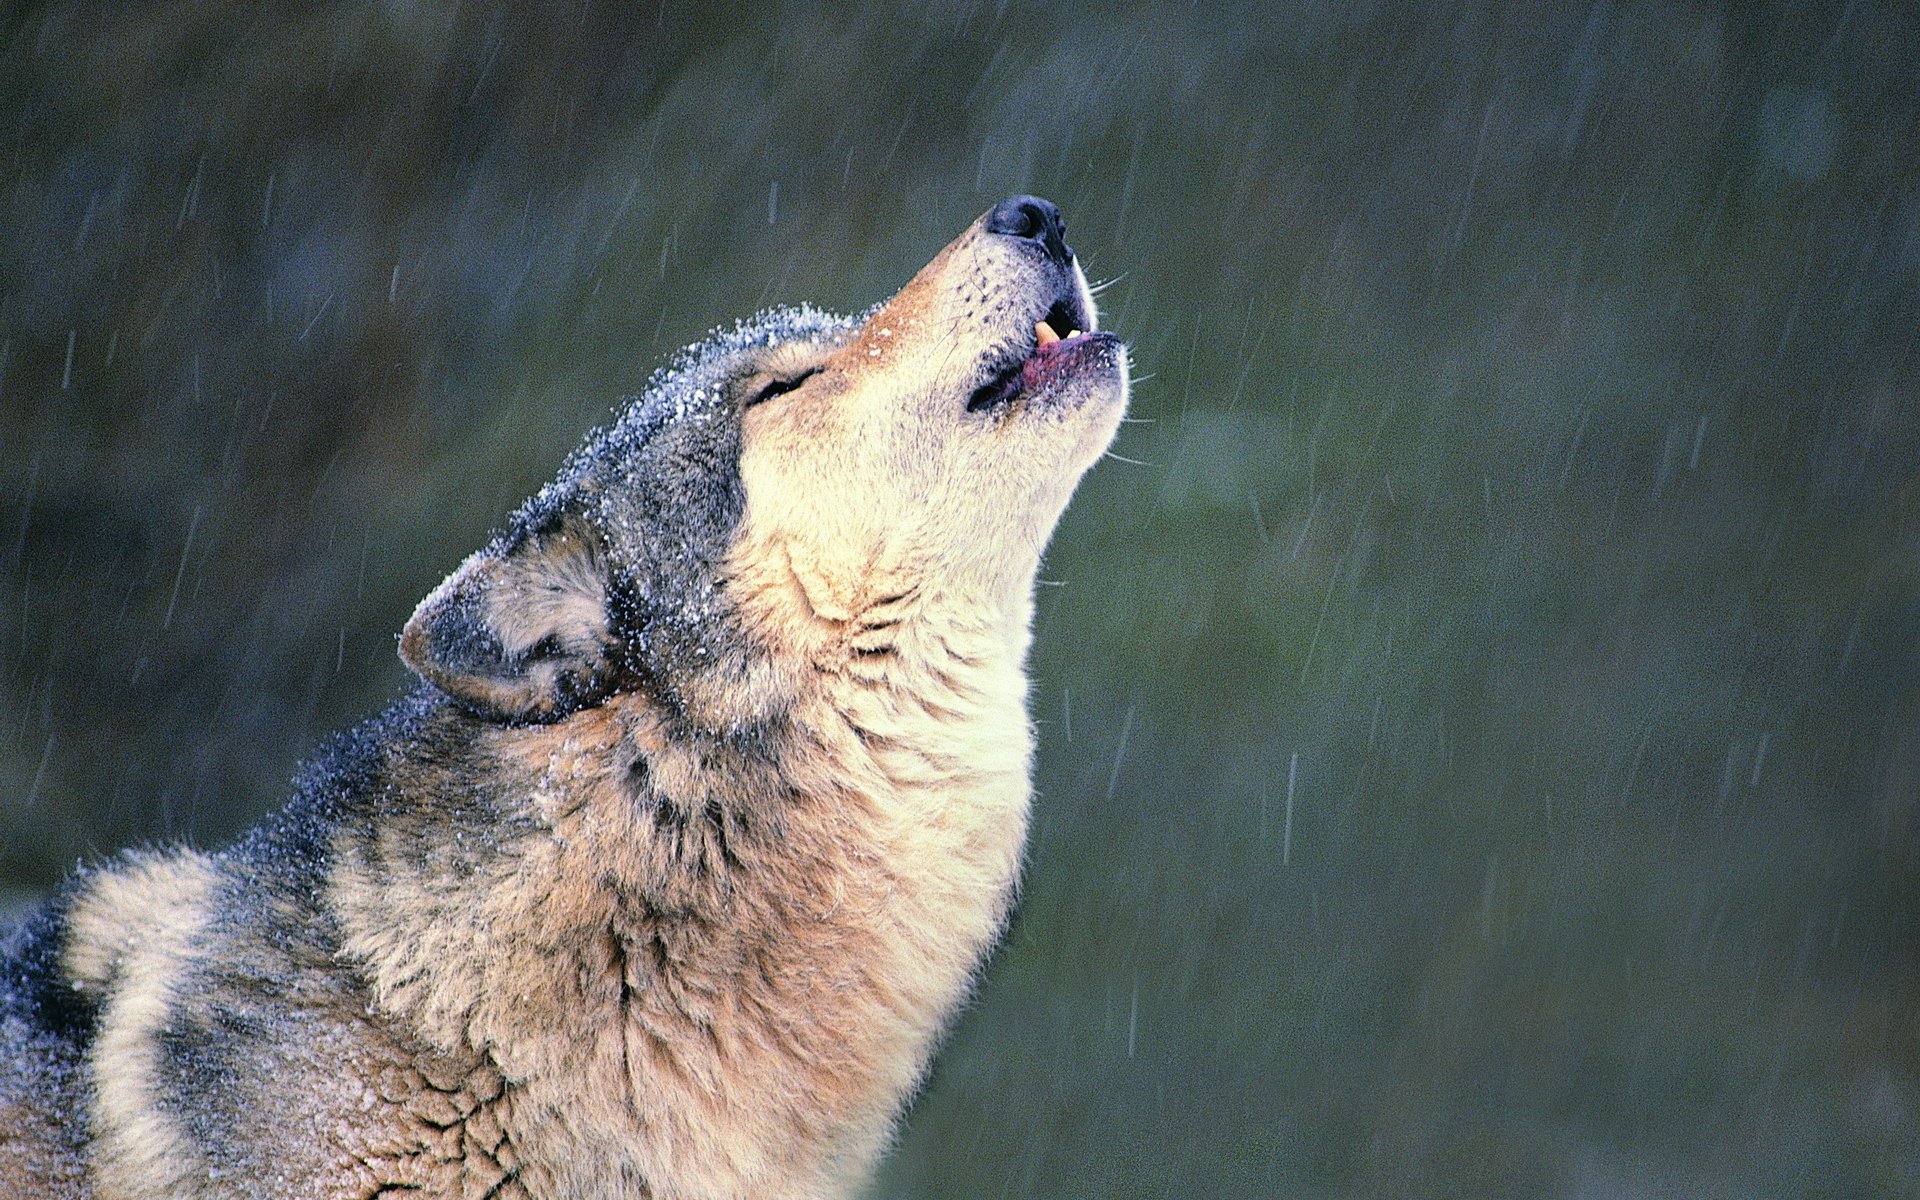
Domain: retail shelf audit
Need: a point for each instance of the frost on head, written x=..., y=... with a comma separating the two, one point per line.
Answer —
x=608, y=576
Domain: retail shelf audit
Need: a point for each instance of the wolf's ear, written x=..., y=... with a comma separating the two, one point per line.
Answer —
x=520, y=632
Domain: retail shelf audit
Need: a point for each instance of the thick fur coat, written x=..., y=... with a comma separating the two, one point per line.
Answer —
x=668, y=875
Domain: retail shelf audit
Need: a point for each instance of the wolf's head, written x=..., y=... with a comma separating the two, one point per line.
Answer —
x=786, y=492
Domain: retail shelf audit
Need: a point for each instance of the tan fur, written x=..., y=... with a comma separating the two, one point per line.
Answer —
x=131, y=932
x=798, y=1012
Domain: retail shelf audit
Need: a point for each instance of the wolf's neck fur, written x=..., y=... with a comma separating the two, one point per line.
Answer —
x=718, y=961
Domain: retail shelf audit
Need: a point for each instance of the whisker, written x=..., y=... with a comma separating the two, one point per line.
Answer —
x=1133, y=462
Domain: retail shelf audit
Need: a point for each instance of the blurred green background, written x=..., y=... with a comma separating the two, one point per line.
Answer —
x=1480, y=738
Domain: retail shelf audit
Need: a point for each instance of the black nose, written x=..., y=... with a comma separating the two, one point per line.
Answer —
x=1032, y=218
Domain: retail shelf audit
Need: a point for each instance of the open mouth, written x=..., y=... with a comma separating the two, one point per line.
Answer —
x=1057, y=339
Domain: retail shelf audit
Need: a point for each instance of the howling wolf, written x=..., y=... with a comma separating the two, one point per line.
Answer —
x=665, y=878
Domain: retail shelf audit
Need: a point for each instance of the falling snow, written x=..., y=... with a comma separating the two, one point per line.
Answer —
x=1492, y=760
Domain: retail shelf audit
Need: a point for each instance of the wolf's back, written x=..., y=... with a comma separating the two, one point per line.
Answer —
x=44, y=1030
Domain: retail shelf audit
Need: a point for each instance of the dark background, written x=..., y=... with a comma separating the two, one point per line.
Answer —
x=1480, y=742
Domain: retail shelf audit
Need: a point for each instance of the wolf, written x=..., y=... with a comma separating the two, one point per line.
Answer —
x=707, y=804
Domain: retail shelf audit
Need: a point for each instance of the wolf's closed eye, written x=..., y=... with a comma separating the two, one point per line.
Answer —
x=779, y=387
